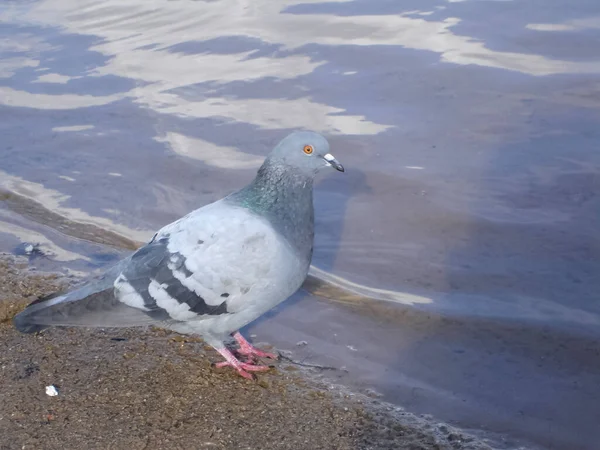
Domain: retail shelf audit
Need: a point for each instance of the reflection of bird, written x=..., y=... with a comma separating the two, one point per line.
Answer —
x=215, y=270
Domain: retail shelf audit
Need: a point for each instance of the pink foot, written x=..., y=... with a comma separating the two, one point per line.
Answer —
x=242, y=368
x=247, y=349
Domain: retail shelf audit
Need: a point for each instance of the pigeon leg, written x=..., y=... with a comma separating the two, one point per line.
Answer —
x=242, y=368
x=247, y=349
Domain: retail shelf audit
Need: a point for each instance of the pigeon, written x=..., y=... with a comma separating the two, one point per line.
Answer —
x=215, y=270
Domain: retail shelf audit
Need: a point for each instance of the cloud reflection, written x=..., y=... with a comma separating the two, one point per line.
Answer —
x=139, y=38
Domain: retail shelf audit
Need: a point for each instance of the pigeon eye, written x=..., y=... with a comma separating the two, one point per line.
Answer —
x=308, y=149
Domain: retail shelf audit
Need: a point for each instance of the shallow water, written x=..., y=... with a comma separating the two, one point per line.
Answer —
x=470, y=133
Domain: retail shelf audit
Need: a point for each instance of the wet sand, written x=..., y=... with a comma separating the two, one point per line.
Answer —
x=151, y=389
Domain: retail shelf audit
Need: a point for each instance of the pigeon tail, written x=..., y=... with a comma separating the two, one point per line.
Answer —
x=93, y=305
x=23, y=321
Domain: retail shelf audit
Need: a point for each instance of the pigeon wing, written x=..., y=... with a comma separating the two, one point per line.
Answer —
x=209, y=263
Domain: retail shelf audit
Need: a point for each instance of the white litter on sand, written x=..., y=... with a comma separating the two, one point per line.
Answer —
x=51, y=390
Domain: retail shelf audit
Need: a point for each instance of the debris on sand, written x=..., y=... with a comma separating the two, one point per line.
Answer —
x=51, y=391
x=29, y=249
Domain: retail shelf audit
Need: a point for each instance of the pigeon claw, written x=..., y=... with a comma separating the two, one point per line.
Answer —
x=248, y=350
x=255, y=354
x=245, y=369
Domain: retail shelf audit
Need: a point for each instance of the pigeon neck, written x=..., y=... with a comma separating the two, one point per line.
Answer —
x=283, y=196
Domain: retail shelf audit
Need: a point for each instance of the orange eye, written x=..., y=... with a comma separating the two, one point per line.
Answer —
x=308, y=149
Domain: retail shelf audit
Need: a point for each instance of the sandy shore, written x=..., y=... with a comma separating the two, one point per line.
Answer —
x=151, y=389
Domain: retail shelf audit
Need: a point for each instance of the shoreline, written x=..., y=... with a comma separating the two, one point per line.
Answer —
x=150, y=388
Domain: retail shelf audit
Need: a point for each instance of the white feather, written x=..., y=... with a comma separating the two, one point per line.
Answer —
x=127, y=294
x=178, y=311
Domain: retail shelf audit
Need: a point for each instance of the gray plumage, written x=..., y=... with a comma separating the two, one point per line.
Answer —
x=218, y=268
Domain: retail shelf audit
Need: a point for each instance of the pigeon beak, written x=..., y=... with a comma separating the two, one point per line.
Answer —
x=333, y=162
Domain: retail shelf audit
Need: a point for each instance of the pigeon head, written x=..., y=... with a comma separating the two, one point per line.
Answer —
x=282, y=191
x=304, y=151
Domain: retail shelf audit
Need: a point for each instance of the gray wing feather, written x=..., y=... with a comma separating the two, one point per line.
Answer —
x=154, y=262
x=96, y=305
x=92, y=305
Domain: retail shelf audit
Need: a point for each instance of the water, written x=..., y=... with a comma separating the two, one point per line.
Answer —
x=469, y=130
